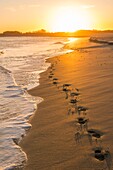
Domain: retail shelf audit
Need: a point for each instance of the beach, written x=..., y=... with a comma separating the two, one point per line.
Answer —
x=57, y=140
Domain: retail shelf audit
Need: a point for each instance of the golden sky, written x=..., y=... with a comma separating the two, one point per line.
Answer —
x=57, y=15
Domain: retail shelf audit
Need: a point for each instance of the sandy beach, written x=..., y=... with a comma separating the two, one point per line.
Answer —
x=57, y=139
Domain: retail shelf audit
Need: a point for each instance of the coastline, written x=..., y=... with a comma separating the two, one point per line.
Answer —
x=50, y=144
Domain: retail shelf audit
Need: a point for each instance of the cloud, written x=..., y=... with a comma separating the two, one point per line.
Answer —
x=11, y=9
x=22, y=7
x=34, y=6
x=87, y=6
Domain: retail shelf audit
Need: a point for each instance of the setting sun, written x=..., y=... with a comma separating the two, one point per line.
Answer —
x=68, y=19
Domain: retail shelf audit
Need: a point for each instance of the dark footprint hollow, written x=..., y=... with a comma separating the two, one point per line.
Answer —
x=74, y=94
x=95, y=133
x=82, y=120
x=82, y=108
x=55, y=79
x=99, y=154
x=66, y=85
x=73, y=101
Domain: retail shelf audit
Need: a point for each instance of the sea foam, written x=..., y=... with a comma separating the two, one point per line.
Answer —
x=21, y=62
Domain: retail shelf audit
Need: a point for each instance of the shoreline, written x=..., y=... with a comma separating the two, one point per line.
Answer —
x=50, y=143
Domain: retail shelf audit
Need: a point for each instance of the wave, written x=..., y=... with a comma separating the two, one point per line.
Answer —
x=15, y=110
x=24, y=59
x=59, y=42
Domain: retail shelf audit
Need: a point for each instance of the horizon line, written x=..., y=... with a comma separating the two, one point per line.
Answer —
x=45, y=31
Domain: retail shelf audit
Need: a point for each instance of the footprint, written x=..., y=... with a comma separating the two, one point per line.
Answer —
x=55, y=79
x=72, y=94
x=73, y=101
x=50, y=76
x=82, y=120
x=82, y=108
x=101, y=154
x=66, y=85
x=95, y=133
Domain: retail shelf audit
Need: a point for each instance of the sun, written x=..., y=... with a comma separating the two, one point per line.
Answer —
x=69, y=19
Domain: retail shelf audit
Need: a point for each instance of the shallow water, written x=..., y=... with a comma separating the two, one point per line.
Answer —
x=21, y=61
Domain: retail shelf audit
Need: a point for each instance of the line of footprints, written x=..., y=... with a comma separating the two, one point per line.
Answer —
x=81, y=121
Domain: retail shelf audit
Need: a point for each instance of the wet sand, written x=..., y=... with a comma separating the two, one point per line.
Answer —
x=62, y=136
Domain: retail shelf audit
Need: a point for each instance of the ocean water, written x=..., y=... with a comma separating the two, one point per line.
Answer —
x=22, y=59
x=98, y=40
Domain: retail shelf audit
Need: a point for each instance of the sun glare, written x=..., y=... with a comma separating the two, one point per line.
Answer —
x=72, y=39
x=69, y=19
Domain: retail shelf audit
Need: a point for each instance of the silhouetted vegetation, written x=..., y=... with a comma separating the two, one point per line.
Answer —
x=42, y=32
x=11, y=33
